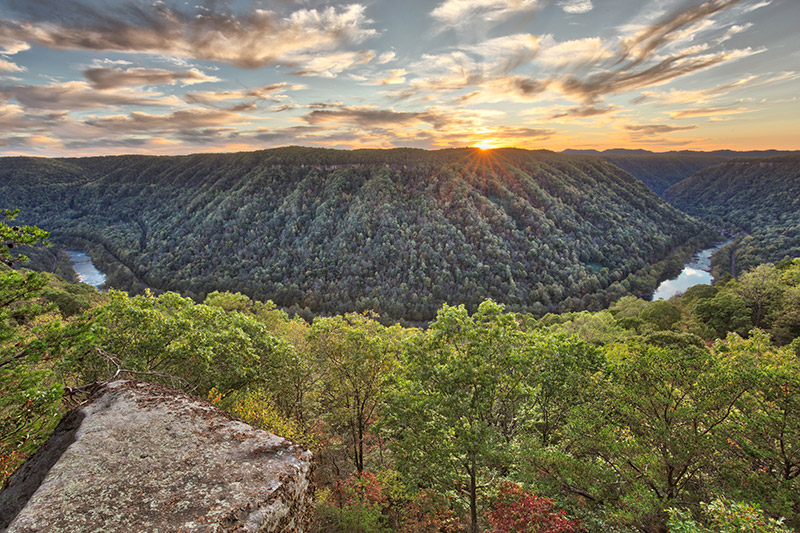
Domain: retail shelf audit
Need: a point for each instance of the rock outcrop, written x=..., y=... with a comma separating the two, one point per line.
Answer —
x=140, y=457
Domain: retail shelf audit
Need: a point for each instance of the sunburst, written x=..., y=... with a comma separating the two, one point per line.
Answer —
x=486, y=145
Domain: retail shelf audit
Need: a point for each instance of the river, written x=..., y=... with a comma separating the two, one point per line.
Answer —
x=696, y=272
x=85, y=269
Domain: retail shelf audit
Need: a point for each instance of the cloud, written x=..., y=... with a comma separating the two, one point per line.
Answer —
x=11, y=46
x=109, y=78
x=386, y=57
x=733, y=30
x=757, y=5
x=389, y=77
x=472, y=66
x=505, y=54
x=643, y=44
x=211, y=98
x=561, y=54
x=677, y=97
x=594, y=86
x=181, y=120
x=13, y=118
x=655, y=129
x=8, y=66
x=330, y=65
x=512, y=132
x=252, y=40
x=77, y=95
x=465, y=12
x=575, y=7
x=582, y=112
x=584, y=70
x=369, y=117
x=709, y=111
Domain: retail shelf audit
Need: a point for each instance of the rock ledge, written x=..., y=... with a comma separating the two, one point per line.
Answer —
x=141, y=457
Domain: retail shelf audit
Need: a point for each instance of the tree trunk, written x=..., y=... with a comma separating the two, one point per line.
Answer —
x=473, y=500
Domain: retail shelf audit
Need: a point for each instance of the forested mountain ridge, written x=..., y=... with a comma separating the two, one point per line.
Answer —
x=397, y=231
x=757, y=197
x=661, y=170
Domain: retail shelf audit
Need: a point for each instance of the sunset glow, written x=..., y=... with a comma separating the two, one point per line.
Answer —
x=174, y=77
x=486, y=145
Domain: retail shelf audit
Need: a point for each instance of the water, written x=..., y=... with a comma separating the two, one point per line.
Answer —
x=696, y=272
x=85, y=269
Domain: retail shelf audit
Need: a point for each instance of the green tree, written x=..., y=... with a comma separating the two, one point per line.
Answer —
x=458, y=412
x=11, y=236
x=661, y=315
x=765, y=432
x=30, y=394
x=722, y=515
x=723, y=313
x=762, y=292
x=655, y=427
x=354, y=357
x=170, y=338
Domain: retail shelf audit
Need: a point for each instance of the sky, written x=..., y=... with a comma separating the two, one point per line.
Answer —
x=93, y=77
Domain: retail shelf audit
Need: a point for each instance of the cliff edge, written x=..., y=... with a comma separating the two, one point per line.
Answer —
x=141, y=457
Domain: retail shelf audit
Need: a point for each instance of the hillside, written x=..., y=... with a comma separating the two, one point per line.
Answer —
x=660, y=171
x=757, y=197
x=399, y=231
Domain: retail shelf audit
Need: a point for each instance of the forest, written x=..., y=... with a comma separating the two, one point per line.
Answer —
x=754, y=199
x=399, y=232
x=662, y=170
x=679, y=415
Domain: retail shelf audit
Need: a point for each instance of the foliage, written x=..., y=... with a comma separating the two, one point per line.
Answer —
x=515, y=510
x=629, y=418
x=167, y=335
x=359, y=504
x=756, y=198
x=396, y=231
x=30, y=395
x=354, y=356
x=256, y=407
x=725, y=516
x=11, y=236
x=458, y=412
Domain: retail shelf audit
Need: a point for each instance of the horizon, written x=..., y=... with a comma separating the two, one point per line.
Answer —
x=566, y=151
x=81, y=79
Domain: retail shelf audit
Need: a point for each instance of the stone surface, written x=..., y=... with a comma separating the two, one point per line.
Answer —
x=141, y=457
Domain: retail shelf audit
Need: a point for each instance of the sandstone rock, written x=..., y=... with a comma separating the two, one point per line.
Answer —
x=141, y=457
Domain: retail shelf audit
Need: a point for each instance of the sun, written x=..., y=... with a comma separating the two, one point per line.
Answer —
x=486, y=145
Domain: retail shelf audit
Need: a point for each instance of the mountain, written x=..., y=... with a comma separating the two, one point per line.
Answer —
x=396, y=231
x=759, y=198
x=661, y=170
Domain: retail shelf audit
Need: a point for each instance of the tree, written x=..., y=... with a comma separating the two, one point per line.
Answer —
x=170, y=338
x=458, y=411
x=761, y=290
x=723, y=313
x=764, y=437
x=654, y=429
x=661, y=315
x=30, y=393
x=724, y=516
x=515, y=510
x=11, y=236
x=354, y=357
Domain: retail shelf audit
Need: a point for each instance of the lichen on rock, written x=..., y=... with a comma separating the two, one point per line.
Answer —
x=141, y=457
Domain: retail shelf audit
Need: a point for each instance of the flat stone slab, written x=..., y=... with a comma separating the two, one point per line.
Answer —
x=141, y=457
